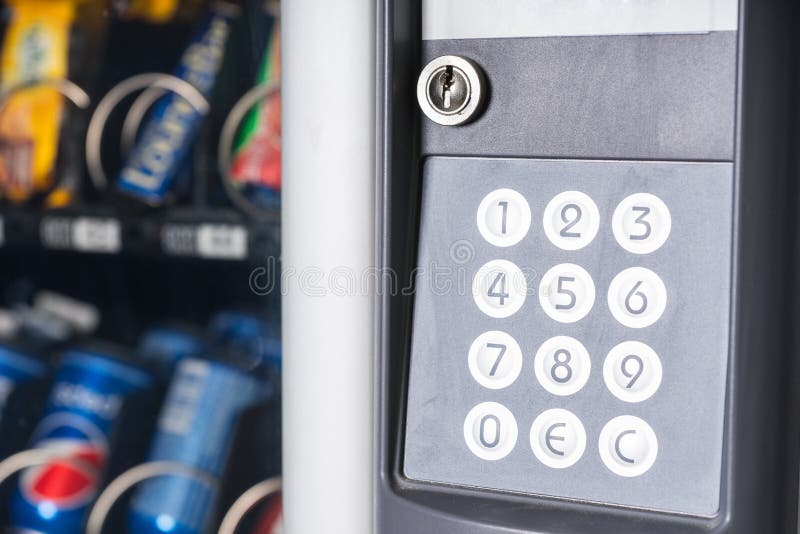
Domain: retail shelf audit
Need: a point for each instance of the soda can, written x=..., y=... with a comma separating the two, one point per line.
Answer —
x=167, y=137
x=162, y=347
x=195, y=428
x=95, y=414
x=249, y=338
x=23, y=387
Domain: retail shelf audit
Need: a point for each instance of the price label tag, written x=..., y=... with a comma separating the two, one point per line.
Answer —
x=222, y=241
x=55, y=232
x=178, y=239
x=96, y=235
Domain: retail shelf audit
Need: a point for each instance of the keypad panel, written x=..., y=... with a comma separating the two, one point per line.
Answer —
x=570, y=330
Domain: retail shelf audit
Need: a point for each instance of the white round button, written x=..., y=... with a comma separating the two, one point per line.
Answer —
x=641, y=223
x=499, y=288
x=562, y=365
x=558, y=438
x=637, y=297
x=628, y=446
x=504, y=217
x=490, y=431
x=632, y=371
x=571, y=220
x=566, y=293
x=495, y=359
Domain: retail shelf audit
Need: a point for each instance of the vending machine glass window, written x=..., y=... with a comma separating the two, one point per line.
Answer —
x=140, y=322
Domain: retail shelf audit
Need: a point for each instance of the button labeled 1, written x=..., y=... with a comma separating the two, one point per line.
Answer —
x=571, y=220
x=558, y=438
x=641, y=223
x=632, y=371
x=637, y=297
x=490, y=431
x=562, y=365
x=628, y=446
x=499, y=288
x=495, y=359
x=504, y=217
x=566, y=293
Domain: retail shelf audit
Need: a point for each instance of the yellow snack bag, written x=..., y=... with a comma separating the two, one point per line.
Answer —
x=35, y=47
x=154, y=11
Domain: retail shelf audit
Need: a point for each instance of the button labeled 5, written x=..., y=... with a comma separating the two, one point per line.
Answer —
x=495, y=359
x=558, y=438
x=566, y=293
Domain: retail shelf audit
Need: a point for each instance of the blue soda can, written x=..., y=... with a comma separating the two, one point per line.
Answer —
x=249, y=336
x=195, y=428
x=23, y=381
x=169, y=133
x=94, y=399
x=162, y=347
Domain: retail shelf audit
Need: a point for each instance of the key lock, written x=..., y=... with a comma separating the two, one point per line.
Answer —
x=451, y=90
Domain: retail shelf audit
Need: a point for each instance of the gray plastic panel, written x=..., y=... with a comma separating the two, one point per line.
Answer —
x=665, y=97
x=691, y=338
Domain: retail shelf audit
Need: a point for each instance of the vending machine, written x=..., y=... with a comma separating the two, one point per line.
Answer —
x=140, y=321
x=586, y=215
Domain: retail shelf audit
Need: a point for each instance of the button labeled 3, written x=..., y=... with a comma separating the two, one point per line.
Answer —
x=504, y=217
x=558, y=438
x=628, y=446
x=490, y=431
x=641, y=223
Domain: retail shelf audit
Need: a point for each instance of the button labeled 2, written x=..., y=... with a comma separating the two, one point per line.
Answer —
x=504, y=217
x=490, y=431
x=495, y=359
x=571, y=220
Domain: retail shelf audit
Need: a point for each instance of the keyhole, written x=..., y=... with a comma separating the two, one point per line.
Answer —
x=447, y=81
